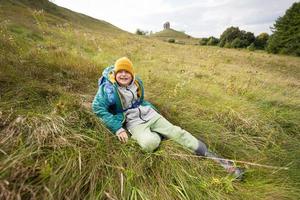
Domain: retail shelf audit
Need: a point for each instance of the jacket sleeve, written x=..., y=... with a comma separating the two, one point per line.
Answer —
x=100, y=107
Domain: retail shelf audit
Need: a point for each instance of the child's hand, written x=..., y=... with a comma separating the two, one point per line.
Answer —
x=123, y=137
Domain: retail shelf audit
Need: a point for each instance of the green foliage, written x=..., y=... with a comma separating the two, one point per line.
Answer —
x=203, y=41
x=212, y=41
x=165, y=34
x=236, y=43
x=247, y=38
x=236, y=38
x=261, y=41
x=171, y=40
x=141, y=32
x=227, y=45
x=229, y=35
x=170, y=33
x=251, y=47
x=286, y=38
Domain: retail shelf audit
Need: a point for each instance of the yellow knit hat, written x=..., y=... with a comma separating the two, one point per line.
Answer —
x=124, y=64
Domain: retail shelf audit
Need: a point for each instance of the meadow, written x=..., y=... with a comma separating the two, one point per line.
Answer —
x=245, y=105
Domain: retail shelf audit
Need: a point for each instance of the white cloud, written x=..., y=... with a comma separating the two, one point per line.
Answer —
x=198, y=18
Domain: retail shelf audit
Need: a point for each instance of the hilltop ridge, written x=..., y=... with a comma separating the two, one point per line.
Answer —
x=179, y=36
x=56, y=15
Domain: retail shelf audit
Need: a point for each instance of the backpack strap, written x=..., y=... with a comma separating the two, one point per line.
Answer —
x=135, y=105
x=101, y=81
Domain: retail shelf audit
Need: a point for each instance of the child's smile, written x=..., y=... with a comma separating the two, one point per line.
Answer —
x=123, y=77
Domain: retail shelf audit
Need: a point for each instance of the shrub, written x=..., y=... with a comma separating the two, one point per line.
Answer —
x=247, y=38
x=236, y=43
x=171, y=40
x=261, y=41
x=229, y=35
x=251, y=47
x=227, y=45
x=141, y=32
x=236, y=38
x=203, y=41
x=212, y=41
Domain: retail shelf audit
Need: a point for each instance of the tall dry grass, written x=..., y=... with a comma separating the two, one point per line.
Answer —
x=244, y=105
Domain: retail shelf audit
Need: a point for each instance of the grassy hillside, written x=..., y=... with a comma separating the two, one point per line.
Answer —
x=244, y=105
x=171, y=33
x=179, y=36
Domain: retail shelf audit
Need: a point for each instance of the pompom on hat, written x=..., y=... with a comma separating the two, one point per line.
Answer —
x=124, y=64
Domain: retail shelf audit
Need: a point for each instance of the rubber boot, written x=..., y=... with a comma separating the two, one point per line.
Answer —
x=227, y=165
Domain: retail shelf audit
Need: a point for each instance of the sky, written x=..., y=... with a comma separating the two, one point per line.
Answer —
x=198, y=18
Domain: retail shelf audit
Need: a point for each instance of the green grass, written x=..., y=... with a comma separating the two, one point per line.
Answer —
x=171, y=33
x=244, y=105
x=178, y=36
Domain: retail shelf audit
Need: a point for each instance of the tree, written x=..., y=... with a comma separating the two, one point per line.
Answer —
x=286, y=33
x=236, y=43
x=261, y=41
x=203, y=41
x=229, y=35
x=212, y=41
x=247, y=38
x=251, y=47
x=236, y=38
x=141, y=32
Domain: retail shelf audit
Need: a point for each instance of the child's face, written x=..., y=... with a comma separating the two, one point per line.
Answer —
x=123, y=77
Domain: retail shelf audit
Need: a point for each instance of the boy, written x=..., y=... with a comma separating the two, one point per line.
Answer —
x=120, y=104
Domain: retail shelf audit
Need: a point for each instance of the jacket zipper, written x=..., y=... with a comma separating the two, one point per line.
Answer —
x=140, y=112
x=140, y=115
x=132, y=96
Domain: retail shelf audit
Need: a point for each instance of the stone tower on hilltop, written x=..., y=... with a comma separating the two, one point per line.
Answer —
x=167, y=25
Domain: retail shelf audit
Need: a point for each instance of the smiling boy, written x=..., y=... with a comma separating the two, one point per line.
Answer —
x=120, y=104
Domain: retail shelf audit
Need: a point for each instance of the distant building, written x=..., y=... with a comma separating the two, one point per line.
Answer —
x=167, y=25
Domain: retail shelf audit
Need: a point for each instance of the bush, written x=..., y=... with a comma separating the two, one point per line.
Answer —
x=229, y=35
x=236, y=43
x=236, y=38
x=251, y=47
x=286, y=37
x=212, y=41
x=203, y=41
x=171, y=40
x=261, y=41
x=247, y=38
x=141, y=32
x=227, y=45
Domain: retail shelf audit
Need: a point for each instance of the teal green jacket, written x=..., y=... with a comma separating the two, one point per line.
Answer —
x=107, y=104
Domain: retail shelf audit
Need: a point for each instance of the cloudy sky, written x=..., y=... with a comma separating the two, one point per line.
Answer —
x=198, y=18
